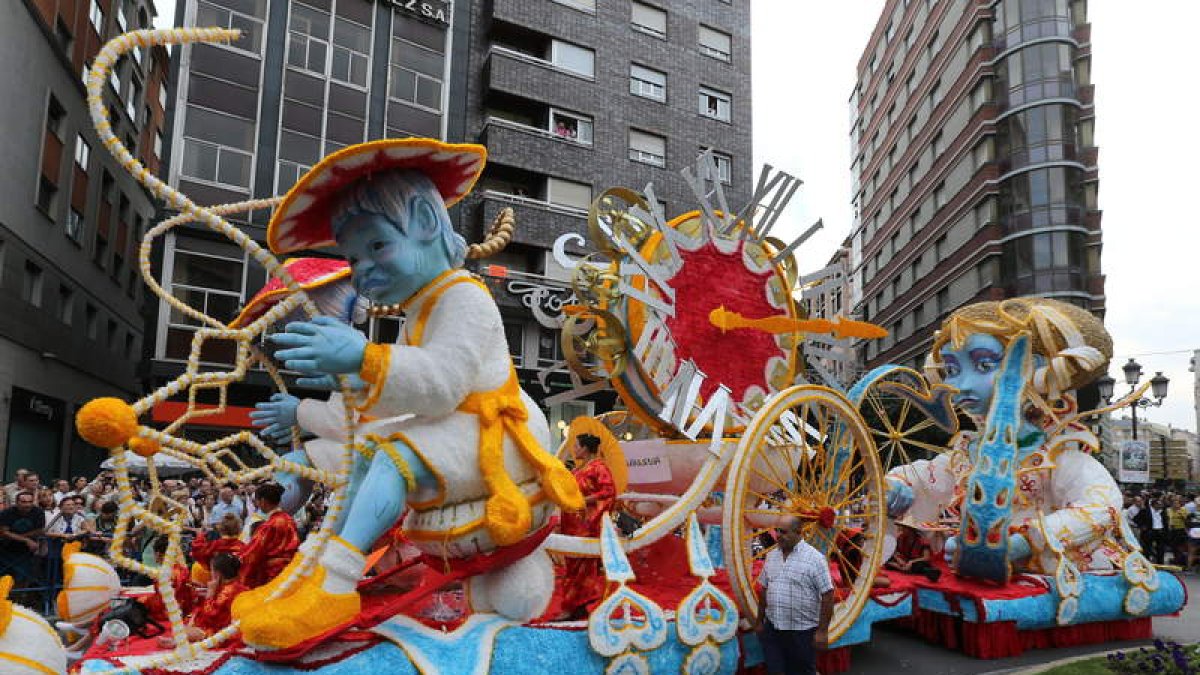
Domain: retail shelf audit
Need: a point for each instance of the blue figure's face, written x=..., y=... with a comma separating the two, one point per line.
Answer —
x=972, y=370
x=388, y=266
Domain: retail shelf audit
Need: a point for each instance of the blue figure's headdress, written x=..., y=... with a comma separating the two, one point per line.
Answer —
x=304, y=218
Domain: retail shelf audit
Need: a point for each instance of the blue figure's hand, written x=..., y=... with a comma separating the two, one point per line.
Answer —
x=323, y=346
x=276, y=416
x=899, y=499
x=1018, y=548
x=951, y=547
x=330, y=383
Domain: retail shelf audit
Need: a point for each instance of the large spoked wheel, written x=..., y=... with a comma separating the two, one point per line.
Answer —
x=807, y=454
x=905, y=427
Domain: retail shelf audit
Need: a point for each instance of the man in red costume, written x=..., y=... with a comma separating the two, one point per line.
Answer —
x=583, y=581
x=274, y=542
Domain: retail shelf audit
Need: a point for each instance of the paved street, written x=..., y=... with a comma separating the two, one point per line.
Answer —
x=895, y=651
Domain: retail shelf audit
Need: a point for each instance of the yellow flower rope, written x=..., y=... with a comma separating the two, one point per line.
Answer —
x=215, y=459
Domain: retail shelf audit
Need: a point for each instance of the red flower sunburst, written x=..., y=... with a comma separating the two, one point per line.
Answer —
x=737, y=359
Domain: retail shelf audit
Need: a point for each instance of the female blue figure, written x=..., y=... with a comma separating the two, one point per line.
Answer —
x=1029, y=492
x=442, y=424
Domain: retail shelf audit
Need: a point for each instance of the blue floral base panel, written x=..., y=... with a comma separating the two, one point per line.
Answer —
x=517, y=649
x=1102, y=599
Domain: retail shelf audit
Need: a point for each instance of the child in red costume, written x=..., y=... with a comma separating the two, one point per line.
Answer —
x=583, y=581
x=205, y=549
x=274, y=542
x=212, y=615
x=180, y=582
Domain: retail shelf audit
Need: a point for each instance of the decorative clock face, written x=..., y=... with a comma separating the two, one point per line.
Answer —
x=710, y=275
x=692, y=321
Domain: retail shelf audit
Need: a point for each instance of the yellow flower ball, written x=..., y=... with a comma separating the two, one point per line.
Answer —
x=106, y=422
x=146, y=447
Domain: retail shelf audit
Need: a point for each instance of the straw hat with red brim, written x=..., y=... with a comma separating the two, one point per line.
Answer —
x=310, y=273
x=303, y=220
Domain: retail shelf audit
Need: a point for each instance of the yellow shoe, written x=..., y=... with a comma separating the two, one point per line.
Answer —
x=245, y=603
x=323, y=601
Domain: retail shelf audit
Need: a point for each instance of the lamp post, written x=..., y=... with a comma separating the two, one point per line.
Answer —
x=1133, y=374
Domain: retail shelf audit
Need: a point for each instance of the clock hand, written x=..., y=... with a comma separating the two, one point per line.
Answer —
x=728, y=320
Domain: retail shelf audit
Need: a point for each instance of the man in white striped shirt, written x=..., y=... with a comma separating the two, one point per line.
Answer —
x=795, y=604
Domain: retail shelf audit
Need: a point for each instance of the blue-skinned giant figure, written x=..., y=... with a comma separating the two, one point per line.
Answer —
x=443, y=426
x=1031, y=496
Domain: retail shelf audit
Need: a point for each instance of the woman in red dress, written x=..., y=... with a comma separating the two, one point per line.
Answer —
x=583, y=580
x=274, y=542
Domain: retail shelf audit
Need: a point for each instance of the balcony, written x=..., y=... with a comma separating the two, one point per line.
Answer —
x=1040, y=153
x=539, y=222
x=1035, y=29
x=515, y=72
x=538, y=149
x=1059, y=86
x=1048, y=216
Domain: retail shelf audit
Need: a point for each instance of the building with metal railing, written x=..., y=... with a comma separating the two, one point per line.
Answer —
x=575, y=96
x=975, y=172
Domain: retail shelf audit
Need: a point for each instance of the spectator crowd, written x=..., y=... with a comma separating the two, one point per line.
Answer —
x=235, y=537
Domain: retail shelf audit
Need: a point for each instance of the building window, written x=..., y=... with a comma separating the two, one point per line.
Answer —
x=66, y=304
x=129, y=342
x=588, y=6
x=890, y=31
x=416, y=75
x=96, y=16
x=939, y=249
x=134, y=100
x=91, y=319
x=111, y=335
x=571, y=126
x=308, y=38
x=939, y=195
x=209, y=14
x=287, y=175
x=47, y=191
x=162, y=95
x=514, y=334
x=216, y=164
x=568, y=193
x=715, y=43
x=31, y=285
x=650, y=20
x=549, y=348
x=83, y=152
x=573, y=58
x=74, y=228
x=715, y=104
x=647, y=148
x=647, y=83
x=724, y=165
x=217, y=147
x=351, y=52
x=209, y=276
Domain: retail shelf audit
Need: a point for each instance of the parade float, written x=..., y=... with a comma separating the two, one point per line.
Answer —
x=695, y=323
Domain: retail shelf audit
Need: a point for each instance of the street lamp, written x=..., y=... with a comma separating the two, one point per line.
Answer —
x=1133, y=374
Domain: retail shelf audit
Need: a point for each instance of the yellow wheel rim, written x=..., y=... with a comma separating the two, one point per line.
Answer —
x=807, y=453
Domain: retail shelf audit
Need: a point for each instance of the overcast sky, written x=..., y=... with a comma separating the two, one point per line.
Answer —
x=805, y=55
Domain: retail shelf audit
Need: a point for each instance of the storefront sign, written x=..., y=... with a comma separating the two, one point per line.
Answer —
x=1135, y=462
x=429, y=10
x=28, y=404
x=545, y=302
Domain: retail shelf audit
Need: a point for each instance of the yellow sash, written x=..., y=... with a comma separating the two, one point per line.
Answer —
x=507, y=514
